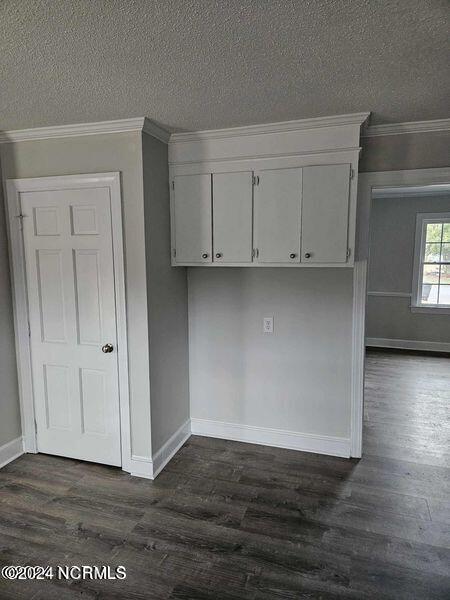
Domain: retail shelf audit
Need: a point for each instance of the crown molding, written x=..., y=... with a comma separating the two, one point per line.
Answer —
x=279, y=127
x=78, y=129
x=409, y=127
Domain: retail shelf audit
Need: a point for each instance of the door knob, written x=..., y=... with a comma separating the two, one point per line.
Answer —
x=204, y=255
x=307, y=254
x=107, y=348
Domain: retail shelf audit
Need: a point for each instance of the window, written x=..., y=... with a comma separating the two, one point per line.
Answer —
x=431, y=283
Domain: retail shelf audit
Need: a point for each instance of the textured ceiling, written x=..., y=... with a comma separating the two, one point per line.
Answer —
x=201, y=64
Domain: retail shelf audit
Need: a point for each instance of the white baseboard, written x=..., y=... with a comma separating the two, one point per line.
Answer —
x=171, y=447
x=11, y=451
x=280, y=438
x=142, y=466
x=408, y=344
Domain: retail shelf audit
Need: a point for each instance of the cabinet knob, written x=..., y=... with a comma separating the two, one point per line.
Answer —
x=292, y=255
x=205, y=255
x=107, y=348
x=307, y=254
x=219, y=255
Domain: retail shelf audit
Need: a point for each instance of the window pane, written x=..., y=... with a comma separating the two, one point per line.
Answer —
x=430, y=274
x=432, y=252
x=429, y=293
x=445, y=253
x=446, y=236
x=445, y=274
x=434, y=232
x=444, y=294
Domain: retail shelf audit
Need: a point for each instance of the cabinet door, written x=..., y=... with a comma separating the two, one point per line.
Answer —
x=192, y=225
x=278, y=197
x=232, y=217
x=325, y=213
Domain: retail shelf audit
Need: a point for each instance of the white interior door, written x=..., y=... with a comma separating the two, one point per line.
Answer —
x=71, y=297
x=192, y=211
x=325, y=213
x=278, y=201
x=232, y=217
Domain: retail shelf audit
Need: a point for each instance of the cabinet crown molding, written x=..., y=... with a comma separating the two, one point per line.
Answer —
x=137, y=124
x=278, y=127
x=270, y=140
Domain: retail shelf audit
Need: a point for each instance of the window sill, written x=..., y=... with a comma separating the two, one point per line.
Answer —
x=434, y=310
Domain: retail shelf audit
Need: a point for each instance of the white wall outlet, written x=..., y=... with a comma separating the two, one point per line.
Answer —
x=268, y=325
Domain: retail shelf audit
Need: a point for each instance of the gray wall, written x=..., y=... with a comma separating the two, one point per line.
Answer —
x=92, y=154
x=167, y=303
x=10, y=427
x=392, y=237
x=297, y=378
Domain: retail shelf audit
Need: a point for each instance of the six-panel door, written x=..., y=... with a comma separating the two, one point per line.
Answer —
x=278, y=201
x=325, y=213
x=71, y=297
x=192, y=218
x=232, y=217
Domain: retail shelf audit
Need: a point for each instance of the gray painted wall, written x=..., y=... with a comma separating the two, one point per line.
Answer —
x=297, y=378
x=92, y=154
x=392, y=236
x=10, y=427
x=167, y=303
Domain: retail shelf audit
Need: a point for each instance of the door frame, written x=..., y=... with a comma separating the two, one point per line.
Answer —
x=367, y=182
x=14, y=187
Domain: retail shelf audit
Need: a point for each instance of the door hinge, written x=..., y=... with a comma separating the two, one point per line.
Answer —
x=173, y=184
x=174, y=252
x=29, y=329
x=352, y=172
x=35, y=427
x=255, y=253
x=348, y=252
x=21, y=217
x=255, y=179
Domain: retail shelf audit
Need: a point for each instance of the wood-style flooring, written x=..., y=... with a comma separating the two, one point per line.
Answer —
x=235, y=521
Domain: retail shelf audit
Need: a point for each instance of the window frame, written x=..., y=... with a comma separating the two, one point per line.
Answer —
x=422, y=220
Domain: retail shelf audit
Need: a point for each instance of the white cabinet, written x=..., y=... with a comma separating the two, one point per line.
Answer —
x=232, y=217
x=192, y=214
x=325, y=214
x=294, y=216
x=278, y=200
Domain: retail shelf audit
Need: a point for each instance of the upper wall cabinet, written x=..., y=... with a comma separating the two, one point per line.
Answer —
x=232, y=217
x=278, y=207
x=191, y=218
x=325, y=214
x=282, y=194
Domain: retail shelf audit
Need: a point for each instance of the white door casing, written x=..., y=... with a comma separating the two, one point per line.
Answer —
x=73, y=285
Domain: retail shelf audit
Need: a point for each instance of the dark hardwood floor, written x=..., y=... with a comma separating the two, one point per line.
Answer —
x=235, y=521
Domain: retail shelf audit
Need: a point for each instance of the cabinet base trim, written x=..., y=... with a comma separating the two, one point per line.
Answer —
x=279, y=438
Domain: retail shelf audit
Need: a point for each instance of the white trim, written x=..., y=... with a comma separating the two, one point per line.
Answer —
x=279, y=438
x=119, y=126
x=358, y=357
x=412, y=191
x=171, y=447
x=433, y=309
x=367, y=182
x=277, y=127
x=390, y=294
x=408, y=127
x=13, y=189
x=11, y=451
x=408, y=344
